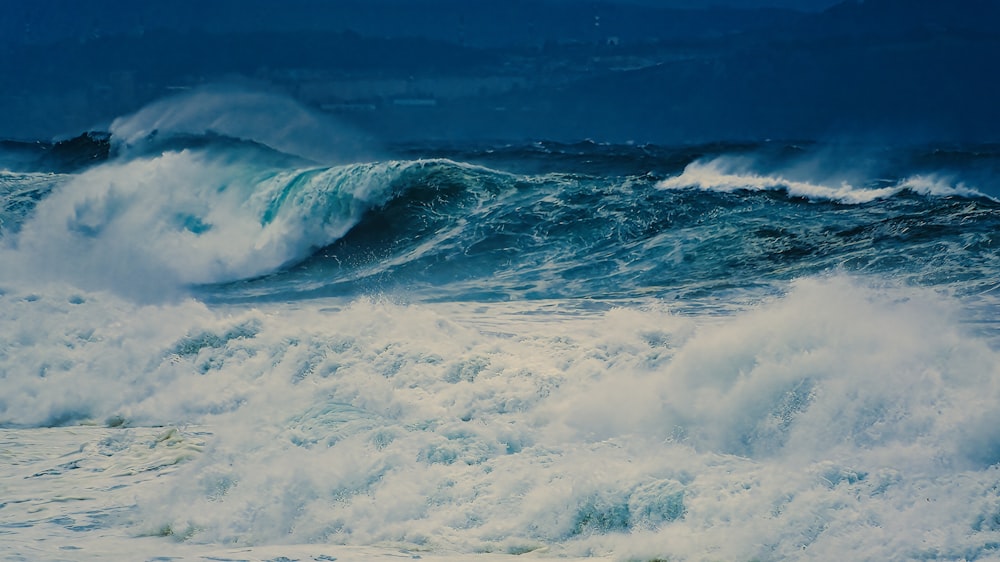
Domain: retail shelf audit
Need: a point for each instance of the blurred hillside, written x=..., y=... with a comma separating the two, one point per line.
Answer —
x=450, y=69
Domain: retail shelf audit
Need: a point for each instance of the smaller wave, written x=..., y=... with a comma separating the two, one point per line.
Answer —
x=938, y=187
x=271, y=120
x=728, y=175
x=63, y=156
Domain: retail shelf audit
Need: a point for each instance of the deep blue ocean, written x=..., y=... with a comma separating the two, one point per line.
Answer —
x=218, y=338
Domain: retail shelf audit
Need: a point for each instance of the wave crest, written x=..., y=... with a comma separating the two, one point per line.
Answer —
x=729, y=175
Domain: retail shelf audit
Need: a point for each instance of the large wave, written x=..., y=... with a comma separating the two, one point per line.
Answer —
x=192, y=217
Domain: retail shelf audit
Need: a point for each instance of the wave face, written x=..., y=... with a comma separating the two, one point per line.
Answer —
x=719, y=352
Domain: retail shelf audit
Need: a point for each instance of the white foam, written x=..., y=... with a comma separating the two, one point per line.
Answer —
x=940, y=186
x=842, y=420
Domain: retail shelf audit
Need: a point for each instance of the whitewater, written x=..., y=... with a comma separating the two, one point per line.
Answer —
x=243, y=344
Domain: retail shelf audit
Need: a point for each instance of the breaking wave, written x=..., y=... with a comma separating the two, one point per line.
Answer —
x=726, y=174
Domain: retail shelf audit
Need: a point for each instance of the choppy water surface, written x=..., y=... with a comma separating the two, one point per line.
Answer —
x=737, y=352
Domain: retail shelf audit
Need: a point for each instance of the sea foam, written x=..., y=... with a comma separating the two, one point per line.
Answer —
x=842, y=417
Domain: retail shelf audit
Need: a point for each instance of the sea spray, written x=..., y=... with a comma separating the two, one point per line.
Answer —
x=232, y=111
x=842, y=411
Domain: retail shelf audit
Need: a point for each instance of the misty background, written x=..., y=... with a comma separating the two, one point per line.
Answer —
x=614, y=71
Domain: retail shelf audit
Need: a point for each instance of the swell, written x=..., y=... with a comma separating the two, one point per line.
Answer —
x=63, y=156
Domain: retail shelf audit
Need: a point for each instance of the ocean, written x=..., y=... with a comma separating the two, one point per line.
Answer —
x=227, y=345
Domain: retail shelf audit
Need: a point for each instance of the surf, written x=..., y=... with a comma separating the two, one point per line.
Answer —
x=729, y=174
x=438, y=355
x=515, y=427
